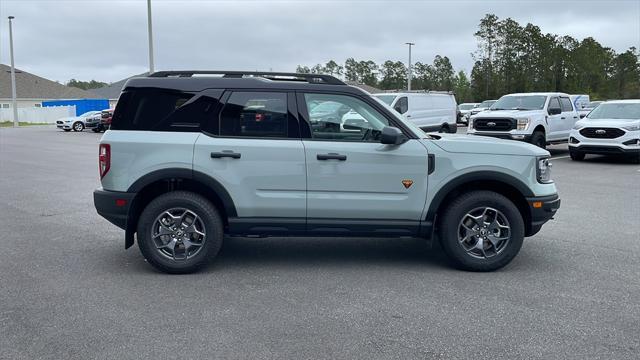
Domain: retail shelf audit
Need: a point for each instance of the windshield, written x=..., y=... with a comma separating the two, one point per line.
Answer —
x=593, y=104
x=466, y=106
x=487, y=103
x=629, y=111
x=88, y=113
x=387, y=99
x=520, y=102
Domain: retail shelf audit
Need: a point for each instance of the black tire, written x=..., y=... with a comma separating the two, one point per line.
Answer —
x=66, y=130
x=78, y=126
x=576, y=155
x=96, y=130
x=456, y=211
x=209, y=216
x=538, y=139
x=635, y=159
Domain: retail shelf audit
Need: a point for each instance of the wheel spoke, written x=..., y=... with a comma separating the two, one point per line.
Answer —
x=488, y=227
x=163, y=230
x=184, y=231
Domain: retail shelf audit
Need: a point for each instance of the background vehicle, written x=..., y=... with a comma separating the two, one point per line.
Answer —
x=93, y=121
x=538, y=118
x=485, y=105
x=105, y=120
x=465, y=111
x=76, y=123
x=581, y=104
x=613, y=128
x=430, y=111
x=181, y=168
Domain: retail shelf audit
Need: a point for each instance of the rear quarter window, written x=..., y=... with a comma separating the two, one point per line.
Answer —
x=162, y=110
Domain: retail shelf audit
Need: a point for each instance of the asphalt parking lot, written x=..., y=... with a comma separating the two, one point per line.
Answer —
x=71, y=291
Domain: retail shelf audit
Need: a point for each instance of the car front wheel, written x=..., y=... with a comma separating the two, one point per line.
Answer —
x=178, y=232
x=78, y=126
x=576, y=155
x=481, y=231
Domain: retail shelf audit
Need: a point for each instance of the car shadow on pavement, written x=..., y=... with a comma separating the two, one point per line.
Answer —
x=328, y=251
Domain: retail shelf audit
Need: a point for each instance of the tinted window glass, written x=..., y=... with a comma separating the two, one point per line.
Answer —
x=402, y=105
x=554, y=103
x=347, y=118
x=160, y=110
x=255, y=114
x=566, y=104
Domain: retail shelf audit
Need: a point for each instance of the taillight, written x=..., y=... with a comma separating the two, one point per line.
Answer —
x=104, y=159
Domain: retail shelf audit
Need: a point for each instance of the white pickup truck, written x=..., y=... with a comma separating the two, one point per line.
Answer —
x=537, y=118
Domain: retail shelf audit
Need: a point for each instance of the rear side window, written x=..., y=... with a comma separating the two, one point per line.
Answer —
x=566, y=104
x=161, y=110
x=255, y=114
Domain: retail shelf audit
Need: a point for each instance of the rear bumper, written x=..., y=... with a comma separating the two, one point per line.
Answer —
x=542, y=209
x=113, y=206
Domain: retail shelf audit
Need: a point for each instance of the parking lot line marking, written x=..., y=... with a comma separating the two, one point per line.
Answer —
x=560, y=157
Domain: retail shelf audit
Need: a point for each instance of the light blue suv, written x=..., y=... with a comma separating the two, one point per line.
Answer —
x=193, y=156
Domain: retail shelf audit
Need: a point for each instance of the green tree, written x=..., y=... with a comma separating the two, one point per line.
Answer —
x=443, y=73
x=394, y=75
x=86, y=85
x=462, y=87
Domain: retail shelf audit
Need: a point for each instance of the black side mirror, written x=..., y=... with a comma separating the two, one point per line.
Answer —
x=392, y=136
x=555, y=111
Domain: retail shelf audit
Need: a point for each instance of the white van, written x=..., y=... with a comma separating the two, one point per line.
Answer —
x=430, y=111
x=581, y=103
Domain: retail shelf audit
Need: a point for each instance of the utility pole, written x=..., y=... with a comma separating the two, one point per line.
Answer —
x=150, y=31
x=14, y=101
x=409, y=67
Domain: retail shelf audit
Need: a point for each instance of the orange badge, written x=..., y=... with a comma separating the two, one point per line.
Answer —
x=407, y=183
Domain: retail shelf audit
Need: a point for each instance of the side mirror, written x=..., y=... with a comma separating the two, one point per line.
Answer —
x=392, y=136
x=555, y=111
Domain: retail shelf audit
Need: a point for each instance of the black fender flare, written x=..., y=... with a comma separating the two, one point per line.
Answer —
x=484, y=175
x=178, y=173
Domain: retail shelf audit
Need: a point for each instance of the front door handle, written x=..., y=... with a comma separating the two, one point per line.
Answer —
x=562, y=118
x=225, y=154
x=332, y=156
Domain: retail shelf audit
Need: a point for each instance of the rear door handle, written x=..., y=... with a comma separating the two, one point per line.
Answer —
x=225, y=154
x=332, y=156
x=562, y=118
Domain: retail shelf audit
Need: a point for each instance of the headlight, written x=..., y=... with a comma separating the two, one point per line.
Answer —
x=470, y=125
x=67, y=121
x=578, y=126
x=635, y=127
x=523, y=124
x=544, y=171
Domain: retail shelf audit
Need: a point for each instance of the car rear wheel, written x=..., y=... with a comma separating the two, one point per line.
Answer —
x=481, y=231
x=538, y=139
x=78, y=126
x=576, y=155
x=178, y=232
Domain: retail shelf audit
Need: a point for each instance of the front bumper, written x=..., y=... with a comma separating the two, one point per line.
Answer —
x=64, y=126
x=542, y=209
x=113, y=206
x=616, y=146
x=502, y=135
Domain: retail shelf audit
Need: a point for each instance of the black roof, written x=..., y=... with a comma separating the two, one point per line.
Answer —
x=186, y=81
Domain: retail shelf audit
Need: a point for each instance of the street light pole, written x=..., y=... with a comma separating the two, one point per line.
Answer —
x=14, y=101
x=409, y=68
x=150, y=36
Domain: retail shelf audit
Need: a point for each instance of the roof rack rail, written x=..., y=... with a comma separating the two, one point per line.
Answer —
x=311, y=78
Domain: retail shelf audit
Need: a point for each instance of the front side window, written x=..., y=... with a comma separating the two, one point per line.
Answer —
x=554, y=103
x=566, y=104
x=346, y=118
x=255, y=114
x=402, y=105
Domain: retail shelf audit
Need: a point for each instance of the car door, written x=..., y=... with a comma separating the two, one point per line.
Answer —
x=555, y=121
x=254, y=151
x=569, y=116
x=353, y=179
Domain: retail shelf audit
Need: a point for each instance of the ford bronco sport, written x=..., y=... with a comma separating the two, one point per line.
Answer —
x=192, y=156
